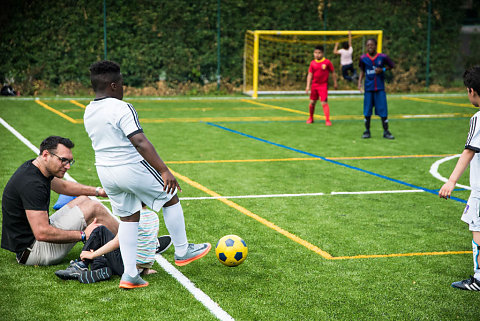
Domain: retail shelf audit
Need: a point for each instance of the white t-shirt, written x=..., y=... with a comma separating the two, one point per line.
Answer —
x=473, y=143
x=109, y=123
x=346, y=56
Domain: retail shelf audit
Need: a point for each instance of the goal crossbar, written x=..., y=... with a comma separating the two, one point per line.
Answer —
x=251, y=60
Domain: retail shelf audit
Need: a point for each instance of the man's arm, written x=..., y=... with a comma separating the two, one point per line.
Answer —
x=309, y=82
x=44, y=232
x=65, y=187
x=148, y=152
x=462, y=164
x=349, y=39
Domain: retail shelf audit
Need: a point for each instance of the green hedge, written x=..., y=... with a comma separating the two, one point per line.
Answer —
x=56, y=41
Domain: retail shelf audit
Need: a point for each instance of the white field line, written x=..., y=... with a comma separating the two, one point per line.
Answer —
x=228, y=97
x=211, y=305
x=436, y=174
x=294, y=195
x=170, y=269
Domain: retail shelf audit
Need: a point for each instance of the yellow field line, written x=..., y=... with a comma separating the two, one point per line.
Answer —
x=78, y=104
x=265, y=222
x=437, y=102
x=57, y=112
x=302, y=159
x=275, y=107
x=398, y=255
x=295, y=238
x=218, y=119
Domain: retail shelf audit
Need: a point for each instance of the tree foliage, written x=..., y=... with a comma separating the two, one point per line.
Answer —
x=176, y=41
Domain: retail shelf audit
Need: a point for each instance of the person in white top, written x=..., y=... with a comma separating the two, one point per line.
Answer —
x=470, y=156
x=131, y=172
x=346, y=59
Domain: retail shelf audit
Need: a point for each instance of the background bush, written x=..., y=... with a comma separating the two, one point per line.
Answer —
x=47, y=44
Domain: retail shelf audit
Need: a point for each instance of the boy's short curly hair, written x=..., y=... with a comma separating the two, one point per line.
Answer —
x=471, y=78
x=103, y=73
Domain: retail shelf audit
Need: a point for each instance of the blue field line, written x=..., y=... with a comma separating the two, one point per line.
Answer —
x=431, y=191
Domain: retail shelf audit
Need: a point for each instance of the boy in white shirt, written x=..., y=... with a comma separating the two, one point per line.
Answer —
x=346, y=59
x=470, y=156
x=131, y=172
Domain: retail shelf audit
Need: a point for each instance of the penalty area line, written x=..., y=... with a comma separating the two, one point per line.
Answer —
x=199, y=295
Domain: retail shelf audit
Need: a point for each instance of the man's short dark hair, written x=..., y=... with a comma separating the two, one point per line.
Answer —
x=50, y=143
x=319, y=47
x=471, y=78
x=372, y=39
x=103, y=73
x=345, y=45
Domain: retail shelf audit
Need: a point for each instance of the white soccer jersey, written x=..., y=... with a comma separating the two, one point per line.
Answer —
x=109, y=123
x=473, y=143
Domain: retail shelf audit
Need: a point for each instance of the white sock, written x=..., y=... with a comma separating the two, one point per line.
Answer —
x=175, y=223
x=476, y=267
x=127, y=237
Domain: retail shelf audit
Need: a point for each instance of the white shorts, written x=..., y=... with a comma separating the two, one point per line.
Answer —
x=129, y=185
x=471, y=214
x=45, y=253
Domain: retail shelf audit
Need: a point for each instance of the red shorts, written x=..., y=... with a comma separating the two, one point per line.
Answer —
x=319, y=92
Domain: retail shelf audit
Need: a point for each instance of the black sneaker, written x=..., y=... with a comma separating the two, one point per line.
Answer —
x=164, y=242
x=73, y=271
x=366, y=134
x=471, y=284
x=388, y=135
x=102, y=274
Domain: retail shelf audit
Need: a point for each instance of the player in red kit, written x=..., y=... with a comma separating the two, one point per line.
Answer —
x=320, y=69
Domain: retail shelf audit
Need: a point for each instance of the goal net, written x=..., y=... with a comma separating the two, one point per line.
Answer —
x=276, y=62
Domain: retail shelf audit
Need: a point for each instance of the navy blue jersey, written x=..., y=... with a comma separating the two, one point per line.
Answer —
x=367, y=64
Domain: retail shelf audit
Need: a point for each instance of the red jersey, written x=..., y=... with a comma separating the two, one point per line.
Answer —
x=320, y=70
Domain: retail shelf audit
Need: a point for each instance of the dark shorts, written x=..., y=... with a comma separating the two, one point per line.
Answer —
x=377, y=99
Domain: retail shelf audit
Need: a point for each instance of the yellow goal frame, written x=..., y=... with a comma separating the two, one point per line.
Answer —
x=256, y=34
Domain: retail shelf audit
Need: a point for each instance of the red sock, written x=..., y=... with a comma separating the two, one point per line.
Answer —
x=326, y=111
x=311, y=108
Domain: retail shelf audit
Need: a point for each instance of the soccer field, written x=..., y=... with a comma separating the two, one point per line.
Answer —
x=337, y=227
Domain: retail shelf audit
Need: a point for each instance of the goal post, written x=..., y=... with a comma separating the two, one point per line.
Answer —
x=276, y=61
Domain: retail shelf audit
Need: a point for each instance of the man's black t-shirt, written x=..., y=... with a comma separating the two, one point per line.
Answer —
x=27, y=189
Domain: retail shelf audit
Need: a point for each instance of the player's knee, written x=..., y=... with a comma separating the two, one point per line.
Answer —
x=174, y=200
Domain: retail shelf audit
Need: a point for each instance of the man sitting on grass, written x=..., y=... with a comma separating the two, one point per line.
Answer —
x=27, y=229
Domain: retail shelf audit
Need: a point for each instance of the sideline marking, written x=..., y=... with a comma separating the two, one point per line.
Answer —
x=213, y=307
x=301, y=195
x=333, y=161
x=53, y=110
x=302, y=159
x=423, y=100
x=436, y=174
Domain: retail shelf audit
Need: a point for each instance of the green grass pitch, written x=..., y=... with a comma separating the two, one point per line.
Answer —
x=380, y=265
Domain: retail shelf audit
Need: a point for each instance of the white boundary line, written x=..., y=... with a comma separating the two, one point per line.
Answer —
x=226, y=97
x=436, y=174
x=295, y=195
x=212, y=306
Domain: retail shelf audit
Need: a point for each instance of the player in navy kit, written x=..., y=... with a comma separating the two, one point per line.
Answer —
x=373, y=66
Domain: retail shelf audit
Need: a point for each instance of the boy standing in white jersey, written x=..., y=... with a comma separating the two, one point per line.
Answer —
x=470, y=155
x=131, y=172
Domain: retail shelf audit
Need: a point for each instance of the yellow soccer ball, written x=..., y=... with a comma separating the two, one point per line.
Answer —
x=231, y=250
